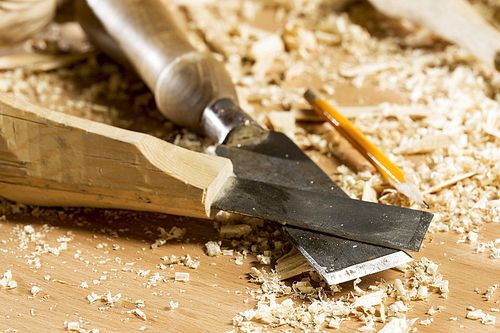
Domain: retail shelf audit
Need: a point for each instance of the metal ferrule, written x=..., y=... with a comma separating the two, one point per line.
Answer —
x=224, y=122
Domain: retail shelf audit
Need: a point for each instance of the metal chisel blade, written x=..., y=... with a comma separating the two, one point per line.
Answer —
x=367, y=222
x=339, y=260
x=270, y=159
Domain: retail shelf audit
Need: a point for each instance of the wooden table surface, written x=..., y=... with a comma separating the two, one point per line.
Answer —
x=110, y=252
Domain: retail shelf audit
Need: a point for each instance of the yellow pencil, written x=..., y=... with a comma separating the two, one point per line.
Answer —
x=389, y=171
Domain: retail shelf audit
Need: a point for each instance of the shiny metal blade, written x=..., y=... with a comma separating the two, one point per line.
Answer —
x=339, y=260
x=273, y=155
x=367, y=222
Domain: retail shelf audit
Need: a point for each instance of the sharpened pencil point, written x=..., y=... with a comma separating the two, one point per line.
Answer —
x=389, y=171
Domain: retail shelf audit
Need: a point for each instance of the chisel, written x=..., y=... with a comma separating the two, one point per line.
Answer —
x=192, y=89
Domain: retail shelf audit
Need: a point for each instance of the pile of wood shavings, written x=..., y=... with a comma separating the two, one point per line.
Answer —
x=322, y=309
x=459, y=143
x=459, y=166
x=247, y=235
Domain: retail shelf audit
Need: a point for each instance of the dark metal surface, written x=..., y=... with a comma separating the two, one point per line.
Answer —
x=275, y=158
x=367, y=222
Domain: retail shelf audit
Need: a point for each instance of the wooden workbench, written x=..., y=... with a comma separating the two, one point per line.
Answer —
x=110, y=251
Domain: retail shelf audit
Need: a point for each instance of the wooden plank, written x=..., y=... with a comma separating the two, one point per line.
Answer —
x=49, y=158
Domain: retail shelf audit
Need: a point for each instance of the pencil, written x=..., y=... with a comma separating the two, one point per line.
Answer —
x=389, y=171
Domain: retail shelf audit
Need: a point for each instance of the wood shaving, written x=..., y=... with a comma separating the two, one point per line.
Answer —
x=139, y=313
x=6, y=281
x=398, y=325
x=214, y=31
x=73, y=326
x=369, y=192
x=185, y=260
x=235, y=231
x=213, y=248
x=427, y=321
x=174, y=305
x=369, y=300
x=427, y=144
x=106, y=298
x=447, y=183
x=35, y=290
x=265, y=51
x=486, y=319
x=283, y=122
x=154, y=279
x=181, y=277
x=292, y=264
x=489, y=292
x=174, y=233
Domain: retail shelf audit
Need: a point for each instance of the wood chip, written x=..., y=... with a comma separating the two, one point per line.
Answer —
x=139, y=313
x=181, y=276
x=292, y=264
x=283, y=122
x=215, y=31
x=265, y=51
x=449, y=182
x=427, y=144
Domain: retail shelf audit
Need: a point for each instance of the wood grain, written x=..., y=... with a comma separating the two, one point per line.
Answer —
x=211, y=298
x=49, y=158
x=103, y=242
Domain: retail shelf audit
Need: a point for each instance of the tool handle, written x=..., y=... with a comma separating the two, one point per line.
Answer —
x=454, y=20
x=145, y=34
x=51, y=159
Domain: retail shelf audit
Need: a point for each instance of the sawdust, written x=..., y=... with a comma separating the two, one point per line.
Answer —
x=457, y=140
x=322, y=308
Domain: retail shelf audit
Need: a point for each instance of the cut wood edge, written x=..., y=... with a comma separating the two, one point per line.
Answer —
x=292, y=264
x=52, y=159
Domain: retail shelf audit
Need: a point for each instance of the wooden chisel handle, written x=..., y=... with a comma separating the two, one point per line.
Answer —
x=144, y=33
x=453, y=20
x=51, y=159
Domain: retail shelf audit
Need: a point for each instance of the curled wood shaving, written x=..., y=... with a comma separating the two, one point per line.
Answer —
x=427, y=144
x=292, y=264
x=492, y=125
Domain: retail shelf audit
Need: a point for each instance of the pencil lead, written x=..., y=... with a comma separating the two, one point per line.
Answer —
x=389, y=170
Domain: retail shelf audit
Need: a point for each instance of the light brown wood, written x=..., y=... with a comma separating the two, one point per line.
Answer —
x=35, y=62
x=20, y=19
x=292, y=264
x=453, y=20
x=104, y=243
x=49, y=158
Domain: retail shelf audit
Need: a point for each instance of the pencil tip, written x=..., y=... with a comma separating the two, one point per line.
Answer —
x=425, y=205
